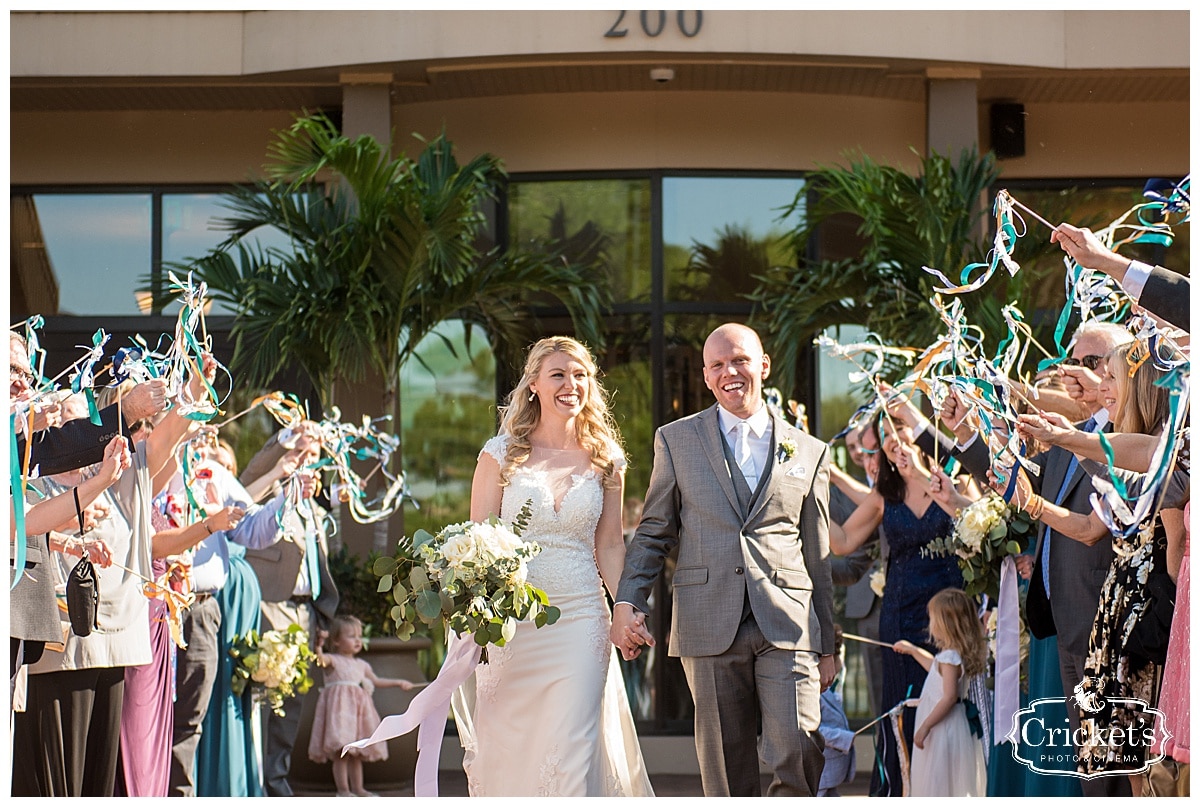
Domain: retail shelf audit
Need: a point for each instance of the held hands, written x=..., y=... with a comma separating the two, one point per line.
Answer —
x=629, y=632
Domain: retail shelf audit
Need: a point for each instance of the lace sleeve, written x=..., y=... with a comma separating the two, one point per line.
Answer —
x=497, y=447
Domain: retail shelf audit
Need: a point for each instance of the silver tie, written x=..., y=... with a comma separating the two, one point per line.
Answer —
x=744, y=456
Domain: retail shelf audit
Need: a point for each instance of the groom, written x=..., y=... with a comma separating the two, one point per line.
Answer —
x=745, y=497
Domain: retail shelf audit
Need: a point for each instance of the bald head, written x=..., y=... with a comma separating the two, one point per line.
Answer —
x=732, y=332
x=735, y=367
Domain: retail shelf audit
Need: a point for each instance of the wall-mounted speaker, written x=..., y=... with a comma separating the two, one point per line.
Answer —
x=1008, y=130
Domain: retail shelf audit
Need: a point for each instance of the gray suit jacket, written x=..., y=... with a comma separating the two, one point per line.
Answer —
x=776, y=555
x=277, y=567
x=1077, y=572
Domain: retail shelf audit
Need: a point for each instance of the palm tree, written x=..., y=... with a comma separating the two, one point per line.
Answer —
x=377, y=257
x=376, y=261
x=902, y=223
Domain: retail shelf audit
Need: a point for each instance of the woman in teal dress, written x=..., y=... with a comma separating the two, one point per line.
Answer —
x=226, y=759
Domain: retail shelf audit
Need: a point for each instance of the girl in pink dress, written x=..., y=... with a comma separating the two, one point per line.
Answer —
x=345, y=711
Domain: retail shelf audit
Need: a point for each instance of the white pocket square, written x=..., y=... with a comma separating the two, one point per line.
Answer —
x=800, y=472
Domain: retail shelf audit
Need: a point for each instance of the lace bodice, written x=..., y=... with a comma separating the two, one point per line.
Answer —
x=567, y=498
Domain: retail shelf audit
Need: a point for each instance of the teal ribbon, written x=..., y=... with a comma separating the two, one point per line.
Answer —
x=972, y=716
x=17, y=484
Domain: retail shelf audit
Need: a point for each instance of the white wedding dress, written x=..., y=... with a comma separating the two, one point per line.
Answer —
x=548, y=715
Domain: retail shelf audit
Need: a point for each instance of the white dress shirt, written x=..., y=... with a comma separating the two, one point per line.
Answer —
x=758, y=439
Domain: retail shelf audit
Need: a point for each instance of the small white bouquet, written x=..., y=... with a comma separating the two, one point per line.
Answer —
x=472, y=575
x=985, y=532
x=274, y=665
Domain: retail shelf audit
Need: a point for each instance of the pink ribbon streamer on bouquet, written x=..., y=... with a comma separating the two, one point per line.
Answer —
x=1008, y=651
x=428, y=711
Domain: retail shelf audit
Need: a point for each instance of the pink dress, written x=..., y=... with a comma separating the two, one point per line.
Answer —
x=1175, y=700
x=345, y=712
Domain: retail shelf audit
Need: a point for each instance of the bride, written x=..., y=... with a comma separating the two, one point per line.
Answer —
x=548, y=715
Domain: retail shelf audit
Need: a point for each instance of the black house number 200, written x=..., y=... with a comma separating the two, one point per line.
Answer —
x=653, y=23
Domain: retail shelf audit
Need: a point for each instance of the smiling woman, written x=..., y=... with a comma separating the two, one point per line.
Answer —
x=560, y=690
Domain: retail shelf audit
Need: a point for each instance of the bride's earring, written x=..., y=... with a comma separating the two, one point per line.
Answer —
x=532, y=395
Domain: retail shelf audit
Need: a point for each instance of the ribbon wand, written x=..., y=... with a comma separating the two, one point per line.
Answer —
x=865, y=640
x=1031, y=212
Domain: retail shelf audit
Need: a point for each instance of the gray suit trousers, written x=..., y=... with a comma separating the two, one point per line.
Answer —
x=726, y=736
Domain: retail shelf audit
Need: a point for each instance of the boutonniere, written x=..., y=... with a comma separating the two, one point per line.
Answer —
x=787, y=449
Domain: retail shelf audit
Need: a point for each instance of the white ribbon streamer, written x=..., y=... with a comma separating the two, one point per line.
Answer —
x=1008, y=649
x=428, y=712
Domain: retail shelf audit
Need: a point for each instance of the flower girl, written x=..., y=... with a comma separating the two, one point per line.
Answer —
x=947, y=760
x=345, y=711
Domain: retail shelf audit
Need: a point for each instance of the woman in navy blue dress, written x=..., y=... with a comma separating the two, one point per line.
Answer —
x=908, y=518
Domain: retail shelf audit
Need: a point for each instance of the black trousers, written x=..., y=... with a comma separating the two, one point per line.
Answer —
x=65, y=742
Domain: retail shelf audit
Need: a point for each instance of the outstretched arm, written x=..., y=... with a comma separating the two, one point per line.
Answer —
x=610, y=540
x=58, y=512
x=402, y=683
x=846, y=538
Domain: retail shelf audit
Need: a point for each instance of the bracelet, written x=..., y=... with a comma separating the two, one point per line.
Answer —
x=1035, y=512
x=205, y=523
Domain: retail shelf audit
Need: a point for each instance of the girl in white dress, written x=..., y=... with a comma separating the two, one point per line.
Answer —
x=548, y=714
x=947, y=759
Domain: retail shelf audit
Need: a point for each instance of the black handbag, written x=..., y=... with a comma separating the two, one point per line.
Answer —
x=1152, y=632
x=83, y=589
x=83, y=597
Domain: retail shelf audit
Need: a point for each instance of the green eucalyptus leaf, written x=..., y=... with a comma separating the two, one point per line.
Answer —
x=429, y=605
x=385, y=583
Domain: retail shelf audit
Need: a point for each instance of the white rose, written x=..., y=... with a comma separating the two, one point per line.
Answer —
x=459, y=550
x=507, y=541
x=518, y=576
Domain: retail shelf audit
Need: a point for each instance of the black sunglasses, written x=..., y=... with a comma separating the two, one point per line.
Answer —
x=1091, y=362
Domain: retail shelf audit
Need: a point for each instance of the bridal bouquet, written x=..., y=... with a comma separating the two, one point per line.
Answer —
x=985, y=532
x=472, y=575
x=274, y=665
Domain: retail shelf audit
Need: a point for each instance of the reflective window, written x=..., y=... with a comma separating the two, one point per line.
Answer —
x=448, y=407
x=190, y=231
x=606, y=216
x=719, y=232
x=79, y=254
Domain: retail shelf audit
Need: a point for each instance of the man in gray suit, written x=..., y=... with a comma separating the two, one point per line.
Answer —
x=1064, y=589
x=744, y=496
x=297, y=587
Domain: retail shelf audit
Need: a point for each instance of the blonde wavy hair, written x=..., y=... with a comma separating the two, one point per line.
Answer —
x=1142, y=407
x=594, y=428
x=954, y=625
